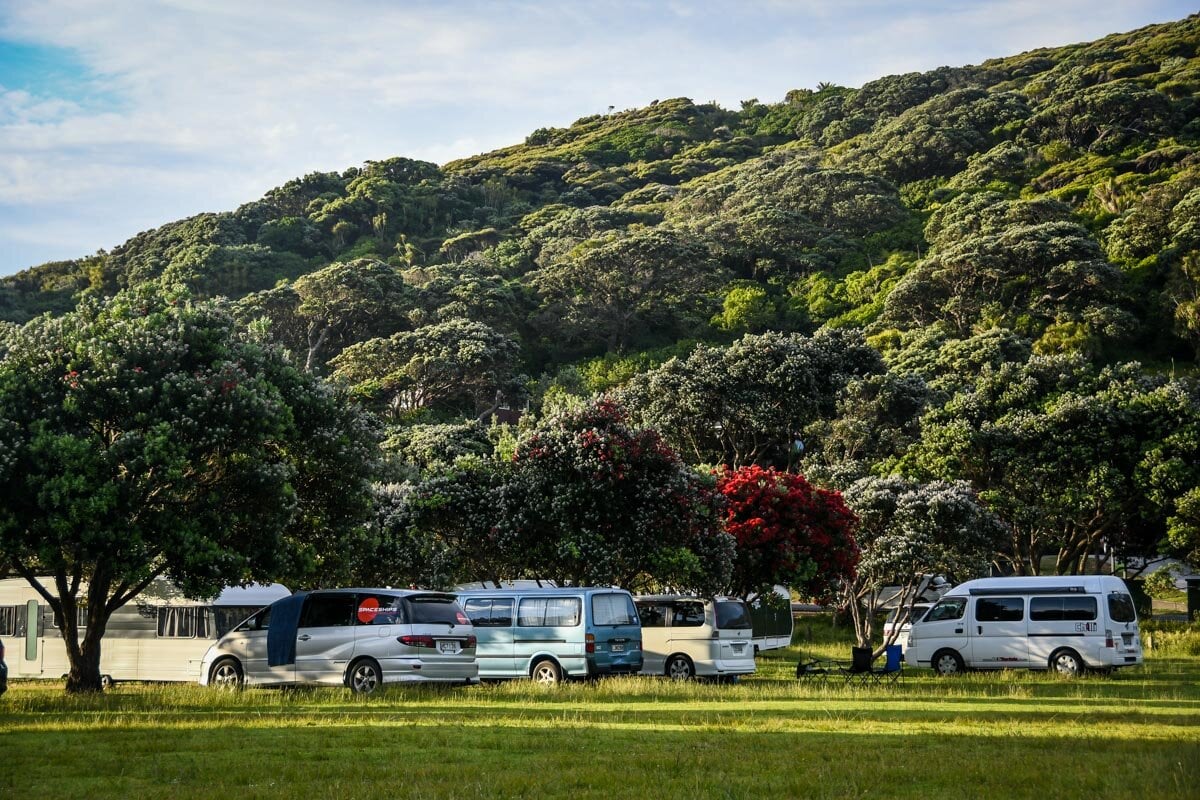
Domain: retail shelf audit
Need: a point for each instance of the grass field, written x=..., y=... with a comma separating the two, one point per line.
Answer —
x=1002, y=735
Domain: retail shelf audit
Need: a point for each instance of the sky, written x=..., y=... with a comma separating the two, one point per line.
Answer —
x=116, y=118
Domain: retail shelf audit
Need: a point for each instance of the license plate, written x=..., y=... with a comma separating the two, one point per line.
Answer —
x=618, y=648
x=448, y=647
x=739, y=648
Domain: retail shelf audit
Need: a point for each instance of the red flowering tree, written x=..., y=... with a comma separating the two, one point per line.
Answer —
x=788, y=532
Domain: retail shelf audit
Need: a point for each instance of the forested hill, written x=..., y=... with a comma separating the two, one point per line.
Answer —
x=1054, y=195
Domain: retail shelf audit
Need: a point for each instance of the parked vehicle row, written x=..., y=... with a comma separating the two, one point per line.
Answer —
x=265, y=635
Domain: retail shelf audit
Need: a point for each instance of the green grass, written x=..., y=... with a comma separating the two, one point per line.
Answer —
x=1013, y=734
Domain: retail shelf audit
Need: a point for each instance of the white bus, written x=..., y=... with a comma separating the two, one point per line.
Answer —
x=158, y=636
x=1062, y=623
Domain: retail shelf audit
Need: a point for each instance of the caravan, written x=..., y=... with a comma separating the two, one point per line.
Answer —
x=1061, y=623
x=158, y=636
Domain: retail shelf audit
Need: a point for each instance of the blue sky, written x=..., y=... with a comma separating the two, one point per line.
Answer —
x=118, y=117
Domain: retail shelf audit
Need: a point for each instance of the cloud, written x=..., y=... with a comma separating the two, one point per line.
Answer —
x=190, y=105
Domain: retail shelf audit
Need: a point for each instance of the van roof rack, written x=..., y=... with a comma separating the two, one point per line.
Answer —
x=1029, y=590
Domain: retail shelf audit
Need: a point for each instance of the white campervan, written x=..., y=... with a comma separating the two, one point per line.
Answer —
x=1064, y=623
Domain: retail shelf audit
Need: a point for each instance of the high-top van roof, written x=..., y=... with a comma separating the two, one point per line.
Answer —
x=1040, y=584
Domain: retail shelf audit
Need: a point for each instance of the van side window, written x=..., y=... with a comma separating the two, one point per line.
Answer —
x=653, y=615
x=259, y=622
x=952, y=608
x=549, y=612
x=486, y=612
x=688, y=615
x=328, y=610
x=378, y=609
x=1056, y=609
x=999, y=609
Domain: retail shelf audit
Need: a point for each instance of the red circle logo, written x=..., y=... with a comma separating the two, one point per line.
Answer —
x=367, y=610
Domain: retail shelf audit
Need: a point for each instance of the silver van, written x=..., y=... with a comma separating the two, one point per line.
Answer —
x=360, y=638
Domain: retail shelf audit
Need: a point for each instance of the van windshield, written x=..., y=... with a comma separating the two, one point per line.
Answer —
x=1120, y=608
x=733, y=614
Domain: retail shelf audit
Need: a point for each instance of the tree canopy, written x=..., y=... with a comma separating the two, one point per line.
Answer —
x=147, y=436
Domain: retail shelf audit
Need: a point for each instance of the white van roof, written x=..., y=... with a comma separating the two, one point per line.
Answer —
x=1040, y=584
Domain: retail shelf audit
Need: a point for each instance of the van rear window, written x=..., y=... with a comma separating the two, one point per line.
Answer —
x=733, y=615
x=1120, y=608
x=435, y=610
x=613, y=609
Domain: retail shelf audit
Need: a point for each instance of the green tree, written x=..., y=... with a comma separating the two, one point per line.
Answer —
x=345, y=303
x=1080, y=462
x=748, y=403
x=607, y=291
x=145, y=436
x=457, y=363
x=909, y=531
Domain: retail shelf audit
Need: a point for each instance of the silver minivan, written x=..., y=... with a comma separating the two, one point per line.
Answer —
x=360, y=638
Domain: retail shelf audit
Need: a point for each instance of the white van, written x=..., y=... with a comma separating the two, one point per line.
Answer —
x=685, y=637
x=1063, y=623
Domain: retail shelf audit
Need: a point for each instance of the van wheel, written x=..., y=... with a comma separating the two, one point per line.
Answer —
x=546, y=672
x=679, y=668
x=947, y=663
x=226, y=674
x=1066, y=662
x=364, y=676
x=107, y=682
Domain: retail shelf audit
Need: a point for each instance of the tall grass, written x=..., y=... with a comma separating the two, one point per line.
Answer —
x=1010, y=734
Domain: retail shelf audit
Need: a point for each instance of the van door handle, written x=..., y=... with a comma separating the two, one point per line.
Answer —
x=304, y=637
x=980, y=629
x=958, y=630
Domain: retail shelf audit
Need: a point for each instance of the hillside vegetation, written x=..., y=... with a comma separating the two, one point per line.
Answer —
x=985, y=273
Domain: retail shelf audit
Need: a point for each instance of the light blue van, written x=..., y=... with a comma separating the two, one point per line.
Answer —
x=553, y=634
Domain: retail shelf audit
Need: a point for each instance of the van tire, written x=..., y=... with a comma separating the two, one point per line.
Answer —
x=546, y=672
x=364, y=676
x=947, y=662
x=1066, y=662
x=679, y=668
x=226, y=674
x=107, y=682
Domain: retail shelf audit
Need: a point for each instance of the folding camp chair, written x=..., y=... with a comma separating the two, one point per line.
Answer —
x=860, y=666
x=813, y=670
x=892, y=667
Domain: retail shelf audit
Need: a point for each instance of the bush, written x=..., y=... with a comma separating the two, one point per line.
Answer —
x=1171, y=638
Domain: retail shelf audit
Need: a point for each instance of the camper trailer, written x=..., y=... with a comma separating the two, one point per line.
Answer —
x=158, y=636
